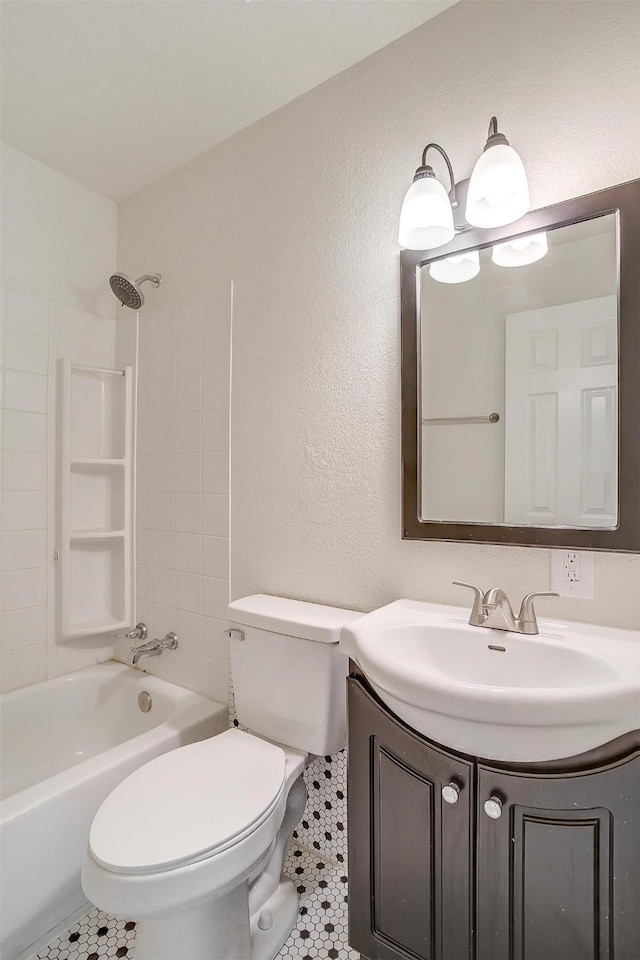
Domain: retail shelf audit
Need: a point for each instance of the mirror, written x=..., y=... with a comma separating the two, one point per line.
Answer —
x=511, y=348
x=518, y=382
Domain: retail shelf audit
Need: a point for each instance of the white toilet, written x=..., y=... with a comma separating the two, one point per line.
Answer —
x=191, y=846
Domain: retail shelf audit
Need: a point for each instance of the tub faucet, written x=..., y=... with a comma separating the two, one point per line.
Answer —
x=493, y=610
x=153, y=648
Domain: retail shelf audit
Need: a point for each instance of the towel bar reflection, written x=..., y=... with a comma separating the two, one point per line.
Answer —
x=492, y=418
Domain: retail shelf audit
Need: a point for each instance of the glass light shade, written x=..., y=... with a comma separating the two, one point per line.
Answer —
x=426, y=218
x=498, y=188
x=520, y=251
x=457, y=269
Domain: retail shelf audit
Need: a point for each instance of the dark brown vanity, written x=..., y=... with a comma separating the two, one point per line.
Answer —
x=532, y=861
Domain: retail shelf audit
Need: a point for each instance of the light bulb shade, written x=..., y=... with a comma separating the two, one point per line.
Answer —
x=426, y=218
x=456, y=269
x=498, y=188
x=520, y=251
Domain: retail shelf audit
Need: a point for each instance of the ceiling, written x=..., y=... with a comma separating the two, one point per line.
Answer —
x=117, y=93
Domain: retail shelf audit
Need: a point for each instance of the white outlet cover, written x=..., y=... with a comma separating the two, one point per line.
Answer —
x=582, y=588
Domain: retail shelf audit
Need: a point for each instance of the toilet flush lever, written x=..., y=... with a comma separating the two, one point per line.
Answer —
x=234, y=634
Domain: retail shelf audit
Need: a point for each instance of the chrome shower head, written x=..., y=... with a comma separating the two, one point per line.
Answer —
x=128, y=291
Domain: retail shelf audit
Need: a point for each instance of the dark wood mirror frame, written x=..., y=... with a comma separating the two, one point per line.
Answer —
x=623, y=200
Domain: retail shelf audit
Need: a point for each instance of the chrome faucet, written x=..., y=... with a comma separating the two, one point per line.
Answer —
x=493, y=609
x=153, y=648
x=139, y=632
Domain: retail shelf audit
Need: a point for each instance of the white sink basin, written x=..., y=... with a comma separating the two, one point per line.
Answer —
x=500, y=695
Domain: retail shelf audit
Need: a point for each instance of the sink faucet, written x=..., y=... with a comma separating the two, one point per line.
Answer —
x=493, y=610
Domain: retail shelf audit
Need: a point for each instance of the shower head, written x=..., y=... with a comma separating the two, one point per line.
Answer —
x=128, y=291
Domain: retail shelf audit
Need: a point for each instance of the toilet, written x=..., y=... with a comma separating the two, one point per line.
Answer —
x=191, y=846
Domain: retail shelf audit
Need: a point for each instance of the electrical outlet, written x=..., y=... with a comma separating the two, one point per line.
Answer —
x=570, y=567
x=572, y=573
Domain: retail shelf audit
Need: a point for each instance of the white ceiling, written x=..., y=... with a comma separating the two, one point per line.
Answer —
x=116, y=93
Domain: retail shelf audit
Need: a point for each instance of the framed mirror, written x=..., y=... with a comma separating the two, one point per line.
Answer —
x=521, y=380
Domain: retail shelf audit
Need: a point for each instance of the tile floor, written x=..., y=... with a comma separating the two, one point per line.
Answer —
x=320, y=934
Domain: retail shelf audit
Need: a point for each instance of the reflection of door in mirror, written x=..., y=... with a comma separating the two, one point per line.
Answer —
x=561, y=415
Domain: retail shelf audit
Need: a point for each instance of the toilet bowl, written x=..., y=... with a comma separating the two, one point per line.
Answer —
x=188, y=837
x=191, y=846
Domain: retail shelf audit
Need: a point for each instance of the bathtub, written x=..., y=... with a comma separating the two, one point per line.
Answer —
x=65, y=744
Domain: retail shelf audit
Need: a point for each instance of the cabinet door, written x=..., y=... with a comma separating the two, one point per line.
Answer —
x=558, y=873
x=409, y=851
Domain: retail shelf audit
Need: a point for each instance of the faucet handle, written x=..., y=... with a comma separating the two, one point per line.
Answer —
x=138, y=633
x=170, y=641
x=527, y=615
x=477, y=612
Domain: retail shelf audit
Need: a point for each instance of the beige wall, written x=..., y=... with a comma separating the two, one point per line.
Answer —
x=301, y=212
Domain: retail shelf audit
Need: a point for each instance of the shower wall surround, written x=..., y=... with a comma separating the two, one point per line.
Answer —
x=34, y=335
x=58, y=245
x=183, y=485
x=24, y=345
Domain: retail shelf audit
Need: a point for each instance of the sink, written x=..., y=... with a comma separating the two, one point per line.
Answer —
x=495, y=694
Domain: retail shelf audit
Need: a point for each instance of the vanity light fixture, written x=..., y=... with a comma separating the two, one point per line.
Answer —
x=498, y=189
x=521, y=250
x=456, y=269
x=496, y=194
x=426, y=218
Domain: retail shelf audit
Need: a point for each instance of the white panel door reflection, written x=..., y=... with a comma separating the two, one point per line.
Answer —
x=561, y=456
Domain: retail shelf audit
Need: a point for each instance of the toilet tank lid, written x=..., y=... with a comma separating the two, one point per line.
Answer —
x=294, y=618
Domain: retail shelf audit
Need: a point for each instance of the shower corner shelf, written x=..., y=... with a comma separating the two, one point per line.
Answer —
x=86, y=628
x=96, y=462
x=96, y=500
x=96, y=534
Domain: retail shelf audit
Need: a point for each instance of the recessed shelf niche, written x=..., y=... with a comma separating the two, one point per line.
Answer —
x=96, y=585
x=97, y=412
x=97, y=500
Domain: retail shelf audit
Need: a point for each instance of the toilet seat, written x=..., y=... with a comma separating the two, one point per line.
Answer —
x=189, y=804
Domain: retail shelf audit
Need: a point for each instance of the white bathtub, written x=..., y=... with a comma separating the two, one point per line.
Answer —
x=65, y=744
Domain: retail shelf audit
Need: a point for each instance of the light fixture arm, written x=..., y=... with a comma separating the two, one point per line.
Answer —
x=493, y=136
x=425, y=170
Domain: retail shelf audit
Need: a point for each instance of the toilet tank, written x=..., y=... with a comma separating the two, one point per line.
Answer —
x=288, y=673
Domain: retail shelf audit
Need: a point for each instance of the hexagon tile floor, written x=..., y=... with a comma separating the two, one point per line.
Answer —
x=320, y=934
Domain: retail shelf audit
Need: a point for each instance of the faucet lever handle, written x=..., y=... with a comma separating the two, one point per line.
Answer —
x=138, y=633
x=169, y=641
x=477, y=611
x=527, y=612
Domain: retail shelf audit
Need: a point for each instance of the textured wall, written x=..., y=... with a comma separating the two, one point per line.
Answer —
x=301, y=211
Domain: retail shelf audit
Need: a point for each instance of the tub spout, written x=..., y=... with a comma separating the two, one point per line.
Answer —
x=153, y=648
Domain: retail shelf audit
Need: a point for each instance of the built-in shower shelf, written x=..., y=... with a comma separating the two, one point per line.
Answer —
x=97, y=500
x=95, y=462
x=96, y=534
x=100, y=625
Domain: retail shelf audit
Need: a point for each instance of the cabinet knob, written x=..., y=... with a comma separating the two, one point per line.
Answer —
x=450, y=793
x=493, y=808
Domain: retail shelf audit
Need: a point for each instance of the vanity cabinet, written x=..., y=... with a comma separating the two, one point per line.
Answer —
x=554, y=874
